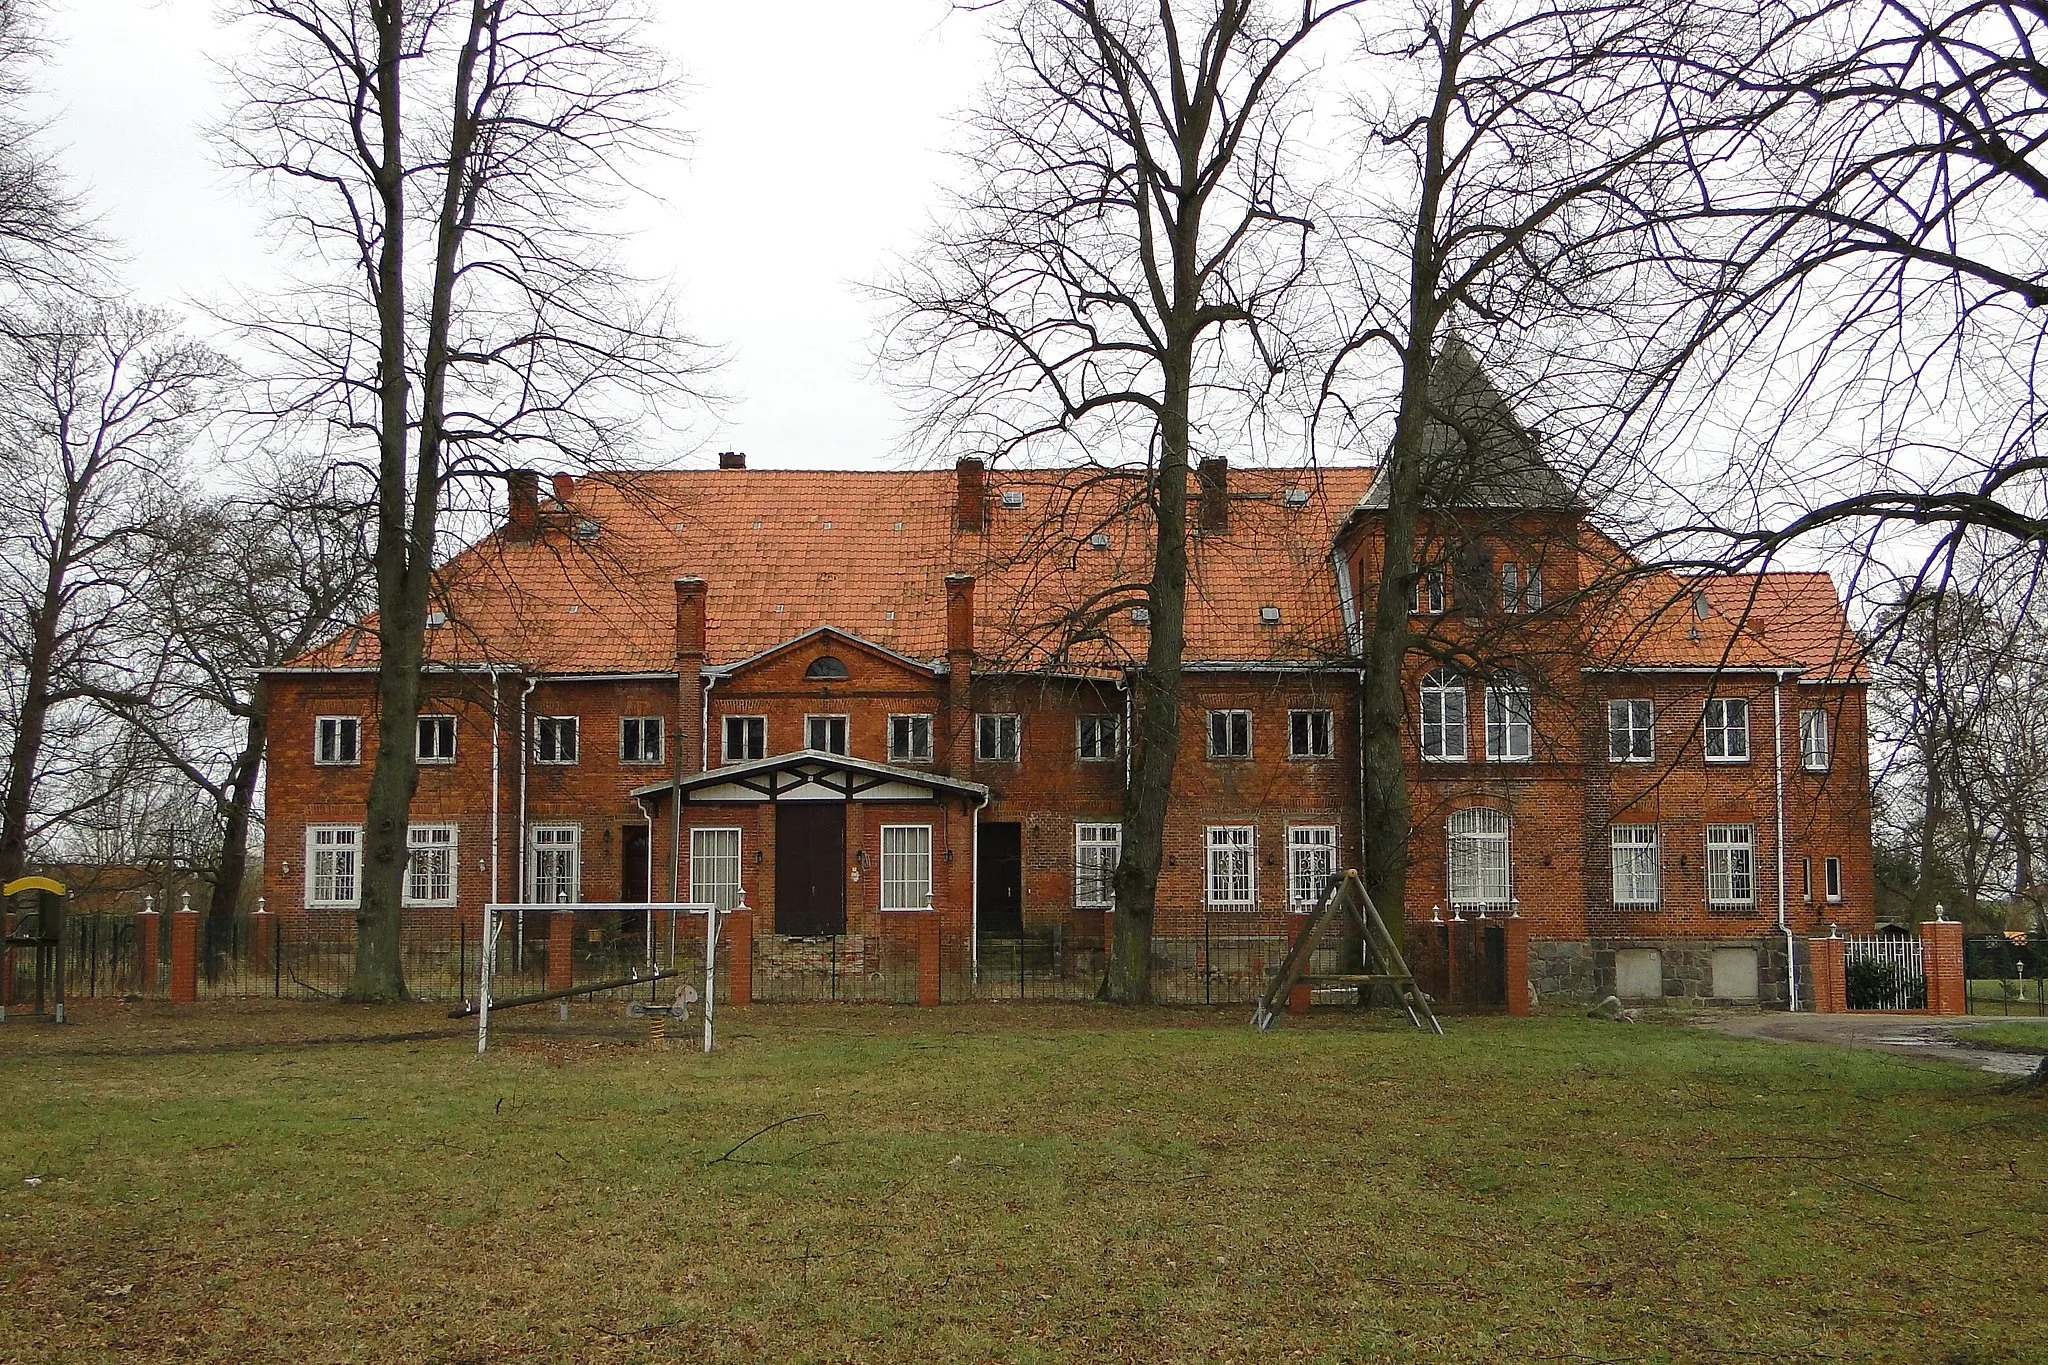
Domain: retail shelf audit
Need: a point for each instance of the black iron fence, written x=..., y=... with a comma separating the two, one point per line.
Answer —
x=2005, y=975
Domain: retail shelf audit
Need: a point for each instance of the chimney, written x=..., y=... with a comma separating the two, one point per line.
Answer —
x=692, y=753
x=565, y=488
x=970, y=507
x=1212, y=476
x=960, y=671
x=732, y=459
x=959, y=614
x=522, y=499
x=690, y=617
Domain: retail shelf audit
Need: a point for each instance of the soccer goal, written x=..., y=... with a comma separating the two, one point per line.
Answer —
x=627, y=944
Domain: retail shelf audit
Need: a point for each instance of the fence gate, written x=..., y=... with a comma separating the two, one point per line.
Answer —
x=1884, y=972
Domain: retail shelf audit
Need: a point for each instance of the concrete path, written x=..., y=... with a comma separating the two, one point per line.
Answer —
x=1901, y=1035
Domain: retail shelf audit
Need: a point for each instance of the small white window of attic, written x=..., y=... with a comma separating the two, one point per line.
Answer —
x=1270, y=615
x=587, y=530
x=1013, y=497
x=1296, y=497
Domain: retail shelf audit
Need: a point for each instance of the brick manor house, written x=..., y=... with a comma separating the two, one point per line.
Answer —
x=876, y=692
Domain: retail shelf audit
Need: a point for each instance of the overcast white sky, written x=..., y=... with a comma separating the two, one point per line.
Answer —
x=818, y=126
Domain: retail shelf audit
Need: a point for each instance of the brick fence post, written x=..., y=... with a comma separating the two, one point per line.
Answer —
x=185, y=954
x=928, y=958
x=1941, y=958
x=1826, y=958
x=148, y=942
x=561, y=949
x=1300, y=998
x=6, y=962
x=739, y=957
x=1517, y=954
x=262, y=938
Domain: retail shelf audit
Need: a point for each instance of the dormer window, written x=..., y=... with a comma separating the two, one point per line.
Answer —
x=826, y=668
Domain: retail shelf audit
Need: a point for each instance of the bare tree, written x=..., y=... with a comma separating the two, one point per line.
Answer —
x=96, y=407
x=42, y=230
x=1113, y=281
x=450, y=159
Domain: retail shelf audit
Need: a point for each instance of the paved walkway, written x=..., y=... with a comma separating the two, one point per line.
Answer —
x=1902, y=1035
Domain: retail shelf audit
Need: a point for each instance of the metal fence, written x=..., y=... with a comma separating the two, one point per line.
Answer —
x=1884, y=972
x=879, y=968
x=1219, y=964
x=2006, y=977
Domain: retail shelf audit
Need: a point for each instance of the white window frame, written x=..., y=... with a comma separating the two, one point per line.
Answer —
x=1090, y=747
x=1718, y=726
x=1731, y=867
x=1816, y=754
x=1532, y=587
x=906, y=870
x=1232, y=720
x=1634, y=885
x=1233, y=880
x=708, y=864
x=826, y=719
x=1479, y=849
x=1098, y=848
x=1623, y=731
x=1831, y=880
x=427, y=844
x=574, y=731
x=1329, y=733
x=640, y=754
x=913, y=724
x=990, y=730
x=1510, y=588
x=1510, y=722
x=340, y=847
x=1439, y=685
x=727, y=731
x=1311, y=862
x=547, y=840
x=1432, y=592
x=352, y=726
x=439, y=720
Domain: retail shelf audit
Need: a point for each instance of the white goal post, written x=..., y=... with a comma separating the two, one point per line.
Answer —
x=494, y=917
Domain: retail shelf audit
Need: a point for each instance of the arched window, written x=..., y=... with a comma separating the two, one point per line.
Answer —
x=825, y=668
x=1443, y=715
x=1480, y=880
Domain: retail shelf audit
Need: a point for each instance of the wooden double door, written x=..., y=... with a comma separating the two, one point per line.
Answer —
x=810, y=868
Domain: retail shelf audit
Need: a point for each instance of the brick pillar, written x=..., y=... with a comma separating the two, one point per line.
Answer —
x=738, y=936
x=6, y=962
x=928, y=957
x=1941, y=957
x=561, y=949
x=185, y=955
x=1300, y=997
x=147, y=942
x=262, y=939
x=1826, y=960
x=1518, y=965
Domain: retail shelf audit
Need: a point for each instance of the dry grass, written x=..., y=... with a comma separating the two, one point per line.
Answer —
x=1025, y=1184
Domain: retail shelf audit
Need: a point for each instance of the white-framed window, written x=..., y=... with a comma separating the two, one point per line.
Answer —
x=1631, y=730
x=1510, y=587
x=436, y=739
x=1635, y=864
x=825, y=732
x=430, y=868
x=1311, y=862
x=1509, y=730
x=333, y=867
x=639, y=739
x=1097, y=849
x=1309, y=734
x=1727, y=730
x=1731, y=865
x=337, y=739
x=1815, y=754
x=1480, y=860
x=1233, y=881
x=906, y=867
x=715, y=867
x=1095, y=738
x=746, y=738
x=1443, y=716
x=1532, y=588
x=1230, y=734
x=554, y=739
x=557, y=864
x=910, y=739
x=1831, y=869
x=995, y=738
x=1431, y=597
x=1806, y=879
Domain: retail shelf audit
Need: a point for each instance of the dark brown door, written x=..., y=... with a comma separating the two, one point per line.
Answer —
x=633, y=865
x=999, y=903
x=810, y=868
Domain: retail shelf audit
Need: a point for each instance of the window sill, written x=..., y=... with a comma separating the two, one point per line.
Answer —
x=435, y=762
x=554, y=763
x=1625, y=761
x=1727, y=762
x=1445, y=758
x=1310, y=758
x=1234, y=909
x=1742, y=911
x=337, y=763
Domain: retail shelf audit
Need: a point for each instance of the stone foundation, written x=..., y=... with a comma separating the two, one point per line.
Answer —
x=1724, y=971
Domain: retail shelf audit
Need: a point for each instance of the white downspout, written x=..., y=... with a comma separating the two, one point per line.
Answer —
x=1778, y=759
x=974, y=897
x=497, y=886
x=519, y=927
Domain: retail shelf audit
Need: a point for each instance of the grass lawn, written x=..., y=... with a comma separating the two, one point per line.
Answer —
x=2032, y=1035
x=1020, y=1184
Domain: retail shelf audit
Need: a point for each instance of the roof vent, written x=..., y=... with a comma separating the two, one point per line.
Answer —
x=437, y=618
x=1270, y=615
x=586, y=530
x=1141, y=615
x=1013, y=497
x=1699, y=604
x=1296, y=497
x=1099, y=541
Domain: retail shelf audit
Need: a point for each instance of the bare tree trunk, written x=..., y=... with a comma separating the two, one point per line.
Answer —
x=233, y=869
x=28, y=740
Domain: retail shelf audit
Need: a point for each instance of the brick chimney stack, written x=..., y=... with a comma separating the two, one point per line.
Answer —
x=689, y=727
x=970, y=503
x=732, y=459
x=960, y=673
x=522, y=503
x=1212, y=476
x=565, y=488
